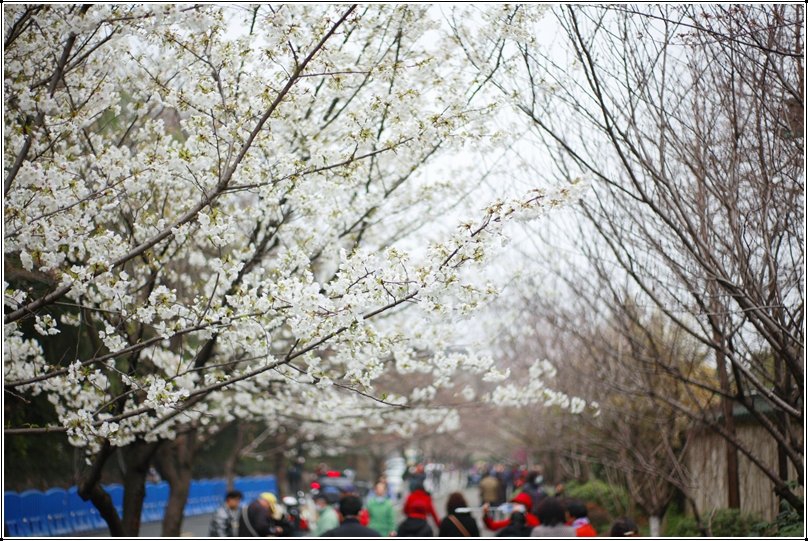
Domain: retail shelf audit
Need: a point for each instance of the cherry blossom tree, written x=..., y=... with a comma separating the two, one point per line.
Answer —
x=217, y=214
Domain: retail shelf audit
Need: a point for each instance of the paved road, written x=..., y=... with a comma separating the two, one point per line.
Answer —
x=198, y=526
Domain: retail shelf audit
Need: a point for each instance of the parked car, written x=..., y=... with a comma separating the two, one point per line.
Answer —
x=335, y=484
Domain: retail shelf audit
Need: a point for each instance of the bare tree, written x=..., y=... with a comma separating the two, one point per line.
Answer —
x=687, y=120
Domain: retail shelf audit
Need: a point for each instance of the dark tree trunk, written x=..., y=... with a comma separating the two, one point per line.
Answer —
x=89, y=488
x=137, y=457
x=279, y=461
x=733, y=481
x=378, y=462
x=232, y=459
x=175, y=462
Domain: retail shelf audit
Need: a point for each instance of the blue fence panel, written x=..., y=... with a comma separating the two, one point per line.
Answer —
x=60, y=512
x=206, y=494
x=245, y=484
x=54, y=507
x=218, y=492
x=78, y=511
x=194, y=496
x=115, y=492
x=15, y=518
x=154, y=505
x=32, y=511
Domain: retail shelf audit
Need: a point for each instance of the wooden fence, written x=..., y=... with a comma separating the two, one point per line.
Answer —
x=706, y=462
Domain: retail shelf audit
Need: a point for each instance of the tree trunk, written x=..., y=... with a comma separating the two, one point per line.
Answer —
x=703, y=529
x=733, y=480
x=175, y=463
x=279, y=462
x=89, y=488
x=654, y=522
x=137, y=457
x=232, y=458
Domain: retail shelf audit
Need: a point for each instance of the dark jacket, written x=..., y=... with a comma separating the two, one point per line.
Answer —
x=414, y=527
x=258, y=517
x=448, y=528
x=351, y=528
x=516, y=527
x=261, y=522
x=513, y=530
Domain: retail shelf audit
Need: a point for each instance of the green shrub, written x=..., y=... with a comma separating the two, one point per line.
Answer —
x=679, y=525
x=613, y=499
x=734, y=523
x=788, y=523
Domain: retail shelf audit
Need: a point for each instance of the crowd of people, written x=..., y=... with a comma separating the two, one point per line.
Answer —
x=530, y=510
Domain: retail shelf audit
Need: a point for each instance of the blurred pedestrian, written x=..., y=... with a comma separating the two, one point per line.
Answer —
x=552, y=519
x=263, y=518
x=294, y=475
x=521, y=504
x=533, y=487
x=415, y=524
x=417, y=477
x=502, y=489
x=458, y=521
x=517, y=526
x=422, y=499
x=624, y=527
x=381, y=511
x=225, y=519
x=349, y=508
x=577, y=517
x=489, y=490
x=327, y=518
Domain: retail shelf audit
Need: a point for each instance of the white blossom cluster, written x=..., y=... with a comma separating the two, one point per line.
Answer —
x=213, y=200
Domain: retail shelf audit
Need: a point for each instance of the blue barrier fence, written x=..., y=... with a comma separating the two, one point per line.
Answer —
x=58, y=512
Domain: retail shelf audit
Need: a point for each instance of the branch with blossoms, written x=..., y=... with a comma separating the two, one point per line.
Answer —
x=204, y=202
x=470, y=244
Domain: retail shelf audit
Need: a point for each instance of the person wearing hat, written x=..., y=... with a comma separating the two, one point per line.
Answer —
x=525, y=503
x=415, y=525
x=420, y=498
x=349, y=508
x=263, y=518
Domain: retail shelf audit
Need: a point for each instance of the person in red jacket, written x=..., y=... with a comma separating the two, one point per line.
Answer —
x=522, y=499
x=420, y=499
x=578, y=518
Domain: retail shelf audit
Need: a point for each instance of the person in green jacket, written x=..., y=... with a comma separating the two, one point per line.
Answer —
x=327, y=518
x=380, y=509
